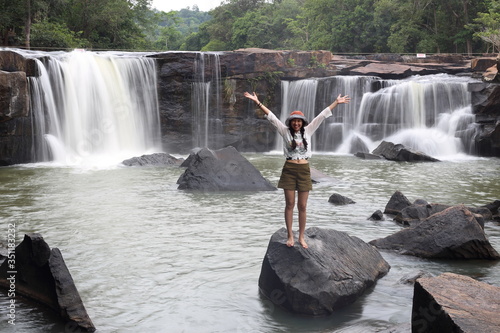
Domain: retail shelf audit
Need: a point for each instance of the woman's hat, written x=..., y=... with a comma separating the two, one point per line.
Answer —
x=296, y=115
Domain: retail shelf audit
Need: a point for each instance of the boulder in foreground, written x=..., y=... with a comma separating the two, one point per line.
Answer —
x=453, y=233
x=221, y=170
x=42, y=275
x=333, y=272
x=455, y=303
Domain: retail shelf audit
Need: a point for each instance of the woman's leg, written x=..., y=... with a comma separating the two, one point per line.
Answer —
x=302, y=207
x=289, y=204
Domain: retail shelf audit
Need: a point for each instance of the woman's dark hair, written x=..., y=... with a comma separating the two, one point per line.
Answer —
x=304, y=141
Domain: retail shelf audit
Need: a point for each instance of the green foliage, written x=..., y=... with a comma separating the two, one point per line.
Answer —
x=341, y=26
x=54, y=35
x=214, y=45
x=487, y=26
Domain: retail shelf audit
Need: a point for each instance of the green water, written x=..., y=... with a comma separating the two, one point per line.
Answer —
x=147, y=257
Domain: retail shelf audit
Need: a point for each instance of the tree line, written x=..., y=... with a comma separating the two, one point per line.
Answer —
x=340, y=26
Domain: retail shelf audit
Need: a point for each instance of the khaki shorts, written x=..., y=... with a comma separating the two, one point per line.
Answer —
x=296, y=177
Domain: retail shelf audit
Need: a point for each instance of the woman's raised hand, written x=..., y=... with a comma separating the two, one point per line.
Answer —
x=253, y=97
x=343, y=100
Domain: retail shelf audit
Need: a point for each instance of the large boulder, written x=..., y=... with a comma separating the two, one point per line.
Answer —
x=453, y=233
x=40, y=273
x=333, y=272
x=455, y=303
x=157, y=159
x=400, y=153
x=221, y=170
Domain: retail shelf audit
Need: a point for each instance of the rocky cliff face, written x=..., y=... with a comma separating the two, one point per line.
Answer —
x=242, y=70
x=15, y=123
x=226, y=76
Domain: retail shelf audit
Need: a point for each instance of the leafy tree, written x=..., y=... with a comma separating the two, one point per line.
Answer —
x=54, y=35
x=214, y=45
x=429, y=25
x=247, y=32
x=281, y=33
x=17, y=17
x=11, y=19
x=487, y=26
x=340, y=26
x=107, y=23
x=196, y=41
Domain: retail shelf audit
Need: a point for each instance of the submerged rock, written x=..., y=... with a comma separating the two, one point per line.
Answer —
x=494, y=208
x=333, y=272
x=400, y=153
x=157, y=159
x=411, y=278
x=377, y=216
x=221, y=170
x=368, y=156
x=340, y=200
x=396, y=203
x=455, y=303
x=41, y=275
x=453, y=233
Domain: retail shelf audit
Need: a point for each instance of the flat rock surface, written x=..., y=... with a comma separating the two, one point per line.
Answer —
x=455, y=303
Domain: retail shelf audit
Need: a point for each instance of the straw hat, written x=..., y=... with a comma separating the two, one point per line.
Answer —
x=296, y=115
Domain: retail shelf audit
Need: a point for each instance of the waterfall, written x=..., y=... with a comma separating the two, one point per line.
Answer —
x=206, y=101
x=297, y=95
x=431, y=114
x=94, y=108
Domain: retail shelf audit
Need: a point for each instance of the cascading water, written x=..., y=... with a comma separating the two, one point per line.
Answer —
x=206, y=102
x=95, y=109
x=297, y=95
x=431, y=114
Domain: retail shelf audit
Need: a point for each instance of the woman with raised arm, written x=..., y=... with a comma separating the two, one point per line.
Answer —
x=296, y=174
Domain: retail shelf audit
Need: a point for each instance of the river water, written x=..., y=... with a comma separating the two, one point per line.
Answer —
x=147, y=257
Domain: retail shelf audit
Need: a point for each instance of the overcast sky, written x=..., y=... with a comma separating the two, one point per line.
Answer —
x=168, y=5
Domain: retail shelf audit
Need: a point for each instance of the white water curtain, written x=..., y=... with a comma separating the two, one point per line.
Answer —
x=97, y=108
x=430, y=114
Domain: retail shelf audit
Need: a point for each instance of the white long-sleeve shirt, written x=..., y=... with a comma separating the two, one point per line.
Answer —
x=300, y=152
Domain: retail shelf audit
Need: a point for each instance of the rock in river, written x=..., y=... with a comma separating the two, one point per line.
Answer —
x=221, y=170
x=453, y=233
x=41, y=274
x=333, y=272
x=400, y=153
x=156, y=159
x=455, y=303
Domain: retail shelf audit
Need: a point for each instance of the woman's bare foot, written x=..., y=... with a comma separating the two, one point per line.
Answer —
x=290, y=242
x=302, y=242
